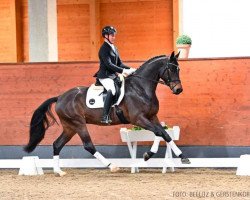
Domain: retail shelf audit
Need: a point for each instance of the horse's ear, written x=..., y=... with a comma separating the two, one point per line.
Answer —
x=177, y=55
x=172, y=55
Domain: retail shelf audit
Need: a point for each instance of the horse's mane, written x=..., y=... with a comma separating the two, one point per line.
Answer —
x=152, y=59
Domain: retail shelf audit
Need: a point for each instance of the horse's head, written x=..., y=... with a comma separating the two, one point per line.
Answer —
x=170, y=74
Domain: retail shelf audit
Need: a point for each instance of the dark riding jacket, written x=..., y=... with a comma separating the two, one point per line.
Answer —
x=110, y=62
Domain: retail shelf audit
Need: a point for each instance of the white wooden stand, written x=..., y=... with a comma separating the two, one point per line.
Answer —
x=132, y=137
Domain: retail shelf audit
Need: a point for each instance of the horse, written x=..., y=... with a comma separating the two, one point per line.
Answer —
x=139, y=105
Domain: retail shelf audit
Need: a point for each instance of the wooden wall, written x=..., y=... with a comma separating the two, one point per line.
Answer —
x=73, y=30
x=8, y=37
x=14, y=31
x=145, y=28
x=214, y=108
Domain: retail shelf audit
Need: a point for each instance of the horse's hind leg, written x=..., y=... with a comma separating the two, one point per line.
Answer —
x=89, y=146
x=57, y=147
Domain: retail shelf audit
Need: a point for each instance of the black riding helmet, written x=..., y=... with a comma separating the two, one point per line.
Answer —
x=108, y=30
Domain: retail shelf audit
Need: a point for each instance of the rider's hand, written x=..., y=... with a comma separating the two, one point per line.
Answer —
x=133, y=69
x=127, y=72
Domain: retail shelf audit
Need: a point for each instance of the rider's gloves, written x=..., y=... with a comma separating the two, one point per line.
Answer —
x=127, y=72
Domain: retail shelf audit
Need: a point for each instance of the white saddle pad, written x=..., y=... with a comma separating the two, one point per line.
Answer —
x=94, y=97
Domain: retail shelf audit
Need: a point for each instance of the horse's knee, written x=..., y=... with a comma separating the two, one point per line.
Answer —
x=164, y=135
x=158, y=133
x=167, y=138
x=90, y=148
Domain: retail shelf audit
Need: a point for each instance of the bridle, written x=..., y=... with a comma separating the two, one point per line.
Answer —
x=169, y=80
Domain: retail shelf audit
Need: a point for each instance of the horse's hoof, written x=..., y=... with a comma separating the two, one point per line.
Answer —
x=114, y=168
x=185, y=161
x=146, y=156
x=60, y=173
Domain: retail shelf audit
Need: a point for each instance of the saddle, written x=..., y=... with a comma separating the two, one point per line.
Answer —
x=96, y=93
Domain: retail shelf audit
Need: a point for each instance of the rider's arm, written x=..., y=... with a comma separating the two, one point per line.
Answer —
x=107, y=61
x=121, y=64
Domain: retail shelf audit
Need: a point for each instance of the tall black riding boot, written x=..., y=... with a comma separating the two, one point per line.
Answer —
x=107, y=106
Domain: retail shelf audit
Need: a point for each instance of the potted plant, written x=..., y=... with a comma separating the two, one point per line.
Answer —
x=183, y=43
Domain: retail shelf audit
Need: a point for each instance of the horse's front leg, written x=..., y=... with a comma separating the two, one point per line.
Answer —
x=155, y=126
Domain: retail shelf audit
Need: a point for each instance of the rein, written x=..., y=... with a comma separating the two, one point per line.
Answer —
x=162, y=82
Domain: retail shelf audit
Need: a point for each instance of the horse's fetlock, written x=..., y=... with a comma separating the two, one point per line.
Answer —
x=90, y=148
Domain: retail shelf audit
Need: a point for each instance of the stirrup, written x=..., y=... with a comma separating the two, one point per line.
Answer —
x=106, y=120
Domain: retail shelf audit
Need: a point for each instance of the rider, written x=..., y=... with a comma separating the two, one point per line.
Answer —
x=110, y=65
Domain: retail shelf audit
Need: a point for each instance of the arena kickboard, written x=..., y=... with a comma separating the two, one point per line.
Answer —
x=128, y=163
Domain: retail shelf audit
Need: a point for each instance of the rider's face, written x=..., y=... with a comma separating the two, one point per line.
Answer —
x=111, y=38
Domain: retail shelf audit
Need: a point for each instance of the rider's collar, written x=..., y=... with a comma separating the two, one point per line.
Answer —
x=112, y=45
x=106, y=40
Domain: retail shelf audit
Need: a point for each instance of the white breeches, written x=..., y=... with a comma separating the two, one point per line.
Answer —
x=108, y=84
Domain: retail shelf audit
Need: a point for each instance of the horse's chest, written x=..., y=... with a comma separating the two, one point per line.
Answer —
x=152, y=106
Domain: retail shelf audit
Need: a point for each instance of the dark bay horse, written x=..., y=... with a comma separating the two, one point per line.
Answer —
x=140, y=106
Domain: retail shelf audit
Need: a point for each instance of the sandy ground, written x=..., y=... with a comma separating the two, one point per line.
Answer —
x=148, y=184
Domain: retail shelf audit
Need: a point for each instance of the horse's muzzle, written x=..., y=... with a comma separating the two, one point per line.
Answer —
x=176, y=88
x=178, y=91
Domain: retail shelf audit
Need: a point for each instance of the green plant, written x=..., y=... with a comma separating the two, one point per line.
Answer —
x=138, y=128
x=184, y=39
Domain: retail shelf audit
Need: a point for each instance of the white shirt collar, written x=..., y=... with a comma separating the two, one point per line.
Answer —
x=112, y=45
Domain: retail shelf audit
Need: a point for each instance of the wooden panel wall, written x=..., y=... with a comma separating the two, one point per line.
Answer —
x=73, y=30
x=144, y=27
x=8, y=47
x=214, y=108
x=14, y=31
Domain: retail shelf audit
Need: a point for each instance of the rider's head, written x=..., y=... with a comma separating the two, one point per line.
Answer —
x=108, y=32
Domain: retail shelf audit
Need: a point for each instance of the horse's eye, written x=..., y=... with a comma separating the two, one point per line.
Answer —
x=173, y=69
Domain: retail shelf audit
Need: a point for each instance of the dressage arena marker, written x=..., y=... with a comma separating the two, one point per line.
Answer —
x=29, y=166
x=244, y=166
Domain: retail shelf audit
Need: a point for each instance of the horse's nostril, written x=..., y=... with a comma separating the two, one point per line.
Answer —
x=179, y=90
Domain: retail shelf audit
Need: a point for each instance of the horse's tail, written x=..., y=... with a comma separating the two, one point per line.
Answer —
x=40, y=123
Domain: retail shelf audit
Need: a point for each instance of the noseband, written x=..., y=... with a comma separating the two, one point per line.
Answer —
x=169, y=80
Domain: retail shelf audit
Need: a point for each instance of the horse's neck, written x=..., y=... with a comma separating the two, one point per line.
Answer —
x=151, y=70
x=150, y=77
x=150, y=73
